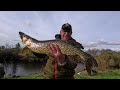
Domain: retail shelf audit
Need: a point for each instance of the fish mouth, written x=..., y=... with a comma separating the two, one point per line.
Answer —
x=21, y=34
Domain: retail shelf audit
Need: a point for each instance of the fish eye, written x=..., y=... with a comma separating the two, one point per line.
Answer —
x=23, y=35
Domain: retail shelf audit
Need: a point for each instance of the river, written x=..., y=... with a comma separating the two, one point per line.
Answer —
x=24, y=68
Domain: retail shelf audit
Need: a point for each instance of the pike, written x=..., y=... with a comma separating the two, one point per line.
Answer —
x=41, y=47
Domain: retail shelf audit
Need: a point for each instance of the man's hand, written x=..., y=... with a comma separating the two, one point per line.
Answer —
x=56, y=53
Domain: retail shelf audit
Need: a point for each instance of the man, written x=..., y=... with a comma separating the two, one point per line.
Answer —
x=59, y=66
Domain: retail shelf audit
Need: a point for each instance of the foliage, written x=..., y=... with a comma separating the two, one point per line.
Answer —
x=12, y=54
x=106, y=58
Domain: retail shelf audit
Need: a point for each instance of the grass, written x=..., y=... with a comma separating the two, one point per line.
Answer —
x=109, y=74
x=31, y=76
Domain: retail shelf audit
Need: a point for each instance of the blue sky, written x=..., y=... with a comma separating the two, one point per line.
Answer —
x=94, y=29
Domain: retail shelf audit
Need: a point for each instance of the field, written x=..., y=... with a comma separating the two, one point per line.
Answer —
x=109, y=74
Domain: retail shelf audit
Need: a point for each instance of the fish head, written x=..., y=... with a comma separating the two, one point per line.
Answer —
x=25, y=38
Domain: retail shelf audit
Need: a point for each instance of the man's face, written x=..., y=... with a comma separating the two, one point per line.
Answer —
x=65, y=35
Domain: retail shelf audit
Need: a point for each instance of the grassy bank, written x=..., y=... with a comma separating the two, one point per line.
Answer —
x=109, y=74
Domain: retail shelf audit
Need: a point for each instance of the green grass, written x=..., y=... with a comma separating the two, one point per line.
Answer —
x=31, y=76
x=109, y=74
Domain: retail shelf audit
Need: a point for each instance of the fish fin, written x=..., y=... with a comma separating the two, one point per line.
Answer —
x=25, y=52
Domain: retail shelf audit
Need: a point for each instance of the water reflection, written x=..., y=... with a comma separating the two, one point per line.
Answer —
x=22, y=68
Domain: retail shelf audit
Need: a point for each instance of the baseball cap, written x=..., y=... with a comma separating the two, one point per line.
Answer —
x=66, y=27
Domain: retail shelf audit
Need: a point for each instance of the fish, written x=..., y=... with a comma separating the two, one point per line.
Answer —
x=41, y=47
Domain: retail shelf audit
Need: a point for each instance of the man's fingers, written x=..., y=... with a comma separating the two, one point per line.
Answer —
x=58, y=49
x=52, y=48
x=49, y=48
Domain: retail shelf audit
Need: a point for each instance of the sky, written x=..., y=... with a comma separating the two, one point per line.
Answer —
x=93, y=29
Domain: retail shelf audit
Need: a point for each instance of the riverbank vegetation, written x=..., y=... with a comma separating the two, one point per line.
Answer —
x=8, y=53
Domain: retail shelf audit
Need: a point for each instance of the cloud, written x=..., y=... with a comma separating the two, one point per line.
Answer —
x=109, y=42
x=115, y=49
x=4, y=35
x=101, y=42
